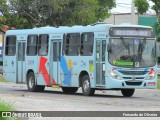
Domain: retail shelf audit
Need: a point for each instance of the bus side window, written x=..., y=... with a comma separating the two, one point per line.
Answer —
x=10, y=49
x=72, y=44
x=32, y=45
x=103, y=50
x=43, y=45
x=67, y=44
x=87, y=42
x=64, y=45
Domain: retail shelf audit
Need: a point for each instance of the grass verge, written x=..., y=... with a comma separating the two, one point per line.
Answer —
x=158, y=84
x=2, y=79
x=4, y=106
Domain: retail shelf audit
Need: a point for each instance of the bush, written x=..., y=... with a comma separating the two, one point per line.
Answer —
x=158, y=59
x=158, y=38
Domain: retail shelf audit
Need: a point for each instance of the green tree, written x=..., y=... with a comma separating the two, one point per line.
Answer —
x=10, y=17
x=3, y=9
x=141, y=5
x=156, y=5
x=31, y=13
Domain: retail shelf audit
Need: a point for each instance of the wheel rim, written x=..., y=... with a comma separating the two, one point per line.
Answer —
x=31, y=82
x=86, y=86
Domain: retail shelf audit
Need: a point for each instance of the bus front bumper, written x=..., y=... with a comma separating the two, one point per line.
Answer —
x=112, y=83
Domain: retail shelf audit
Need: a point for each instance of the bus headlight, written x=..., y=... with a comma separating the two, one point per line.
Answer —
x=151, y=76
x=114, y=75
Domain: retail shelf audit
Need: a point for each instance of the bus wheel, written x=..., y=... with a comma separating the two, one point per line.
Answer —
x=69, y=89
x=32, y=87
x=127, y=92
x=86, y=89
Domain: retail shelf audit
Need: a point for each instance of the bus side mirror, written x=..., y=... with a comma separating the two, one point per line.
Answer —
x=158, y=49
x=109, y=48
x=158, y=52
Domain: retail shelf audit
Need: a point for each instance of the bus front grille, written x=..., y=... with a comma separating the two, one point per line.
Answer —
x=135, y=78
x=133, y=83
x=133, y=72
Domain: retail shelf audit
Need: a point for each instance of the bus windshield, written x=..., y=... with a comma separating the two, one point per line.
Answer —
x=131, y=52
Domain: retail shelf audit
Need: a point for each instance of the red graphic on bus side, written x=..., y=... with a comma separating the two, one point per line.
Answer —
x=43, y=70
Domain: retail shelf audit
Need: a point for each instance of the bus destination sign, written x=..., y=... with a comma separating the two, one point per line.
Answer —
x=131, y=32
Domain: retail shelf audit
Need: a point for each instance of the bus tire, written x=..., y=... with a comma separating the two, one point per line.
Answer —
x=127, y=92
x=69, y=89
x=86, y=88
x=32, y=87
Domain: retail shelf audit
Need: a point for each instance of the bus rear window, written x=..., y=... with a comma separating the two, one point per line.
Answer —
x=10, y=49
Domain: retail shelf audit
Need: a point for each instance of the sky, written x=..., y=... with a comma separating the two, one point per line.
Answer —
x=124, y=6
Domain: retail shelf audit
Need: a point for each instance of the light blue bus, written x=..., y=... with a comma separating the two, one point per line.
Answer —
x=94, y=57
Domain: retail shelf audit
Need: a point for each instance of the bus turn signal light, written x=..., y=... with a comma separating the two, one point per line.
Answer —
x=151, y=84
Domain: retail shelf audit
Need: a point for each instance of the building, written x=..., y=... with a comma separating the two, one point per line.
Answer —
x=147, y=20
x=121, y=18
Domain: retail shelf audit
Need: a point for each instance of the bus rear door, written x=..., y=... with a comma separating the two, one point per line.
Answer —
x=9, y=58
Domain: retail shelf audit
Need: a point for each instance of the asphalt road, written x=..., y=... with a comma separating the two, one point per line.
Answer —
x=55, y=100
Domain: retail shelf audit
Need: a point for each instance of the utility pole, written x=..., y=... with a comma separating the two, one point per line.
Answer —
x=133, y=13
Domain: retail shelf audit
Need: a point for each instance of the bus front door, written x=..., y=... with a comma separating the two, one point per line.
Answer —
x=21, y=62
x=55, y=63
x=100, y=62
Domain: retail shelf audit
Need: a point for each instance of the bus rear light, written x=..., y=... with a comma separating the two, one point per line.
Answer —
x=151, y=84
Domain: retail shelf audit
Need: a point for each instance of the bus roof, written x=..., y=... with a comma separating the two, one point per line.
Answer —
x=66, y=29
x=129, y=25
